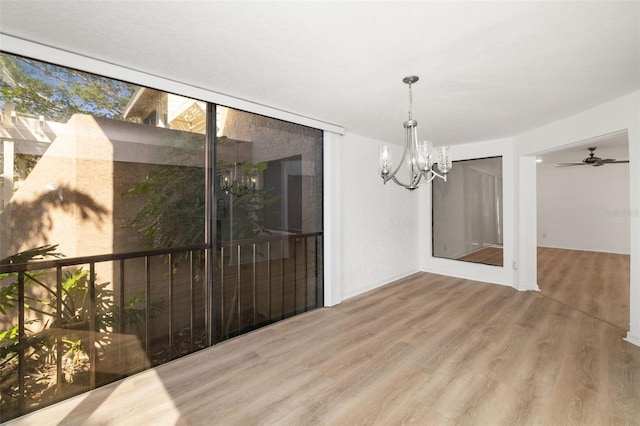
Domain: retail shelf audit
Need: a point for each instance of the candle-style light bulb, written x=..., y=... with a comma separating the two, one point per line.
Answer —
x=444, y=160
x=384, y=159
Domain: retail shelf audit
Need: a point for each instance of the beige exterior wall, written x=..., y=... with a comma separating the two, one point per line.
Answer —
x=74, y=195
x=267, y=143
x=74, y=198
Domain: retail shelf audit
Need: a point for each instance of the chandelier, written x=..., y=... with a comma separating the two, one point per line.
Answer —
x=239, y=178
x=418, y=157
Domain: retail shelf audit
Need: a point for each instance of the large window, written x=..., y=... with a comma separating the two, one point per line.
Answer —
x=108, y=257
x=269, y=221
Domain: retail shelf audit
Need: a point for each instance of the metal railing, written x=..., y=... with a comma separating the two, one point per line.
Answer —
x=271, y=278
x=28, y=271
x=271, y=272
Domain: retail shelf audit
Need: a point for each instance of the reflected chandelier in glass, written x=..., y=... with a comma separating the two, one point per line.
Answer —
x=417, y=156
x=240, y=178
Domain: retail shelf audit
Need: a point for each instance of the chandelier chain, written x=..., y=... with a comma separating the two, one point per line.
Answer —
x=410, y=102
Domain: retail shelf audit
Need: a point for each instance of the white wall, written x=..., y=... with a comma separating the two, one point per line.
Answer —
x=380, y=236
x=475, y=271
x=584, y=208
x=615, y=116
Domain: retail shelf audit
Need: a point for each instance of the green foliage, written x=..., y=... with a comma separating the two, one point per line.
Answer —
x=9, y=342
x=9, y=339
x=9, y=334
x=74, y=302
x=9, y=293
x=53, y=316
x=37, y=253
x=32, y=342
x=174, y=211
x=56, y=92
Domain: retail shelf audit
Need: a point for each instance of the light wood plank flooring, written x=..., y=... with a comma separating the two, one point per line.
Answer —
x=593, y=282
x=426, y=350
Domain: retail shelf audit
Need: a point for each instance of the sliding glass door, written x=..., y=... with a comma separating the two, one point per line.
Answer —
x=132, y=233
x=269, y=221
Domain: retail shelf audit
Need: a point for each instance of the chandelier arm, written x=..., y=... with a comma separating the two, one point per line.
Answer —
x=416, y=171
x=395, y=179
x=442, y=176
x=431, y=178
x=416, y=179
x=407, y=148
x=393, y=173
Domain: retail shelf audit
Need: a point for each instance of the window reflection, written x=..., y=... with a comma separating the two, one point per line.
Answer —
x=269, y=220
x=95, y=173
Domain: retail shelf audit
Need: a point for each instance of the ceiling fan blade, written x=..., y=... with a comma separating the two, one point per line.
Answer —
x=609, y=160
x=612, y=161
x=570, y=164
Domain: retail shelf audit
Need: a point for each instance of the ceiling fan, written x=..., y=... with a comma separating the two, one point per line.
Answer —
x=592, y=160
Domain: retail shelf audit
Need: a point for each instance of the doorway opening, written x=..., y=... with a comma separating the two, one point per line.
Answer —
x=583, y=237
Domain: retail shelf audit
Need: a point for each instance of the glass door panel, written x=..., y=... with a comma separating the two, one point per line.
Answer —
x=269, y=221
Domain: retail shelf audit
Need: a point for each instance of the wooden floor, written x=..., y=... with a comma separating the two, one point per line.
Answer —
x=595, y=283
x=425, y=350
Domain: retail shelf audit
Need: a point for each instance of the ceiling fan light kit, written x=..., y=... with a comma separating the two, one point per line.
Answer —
x=592, y=160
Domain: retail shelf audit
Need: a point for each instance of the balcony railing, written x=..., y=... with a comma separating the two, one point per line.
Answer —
x=153, y=307
x=99, y=324
x=267, y=279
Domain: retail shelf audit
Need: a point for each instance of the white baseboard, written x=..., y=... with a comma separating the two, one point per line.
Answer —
x=633, y=339
x=467, y=276
x=528, y=287
x=375, y=285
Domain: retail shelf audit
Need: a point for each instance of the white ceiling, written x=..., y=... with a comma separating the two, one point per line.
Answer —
x=615, y=145
x=487, y=69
